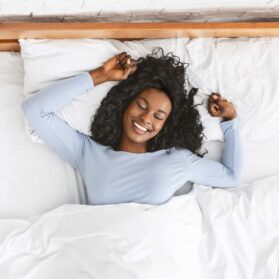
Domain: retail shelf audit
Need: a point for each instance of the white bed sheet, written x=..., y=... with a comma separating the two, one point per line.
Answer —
x=207, y=234
x=33, y=179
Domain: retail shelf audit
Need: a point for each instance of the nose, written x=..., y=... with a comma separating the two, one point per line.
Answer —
x=146, y=117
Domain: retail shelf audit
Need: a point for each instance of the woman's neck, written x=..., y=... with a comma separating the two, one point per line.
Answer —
x=133, y=147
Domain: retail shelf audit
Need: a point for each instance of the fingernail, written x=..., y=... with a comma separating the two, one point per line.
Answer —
x=128, y=61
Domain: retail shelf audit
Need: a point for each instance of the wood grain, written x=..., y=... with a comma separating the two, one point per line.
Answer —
x=10, y=32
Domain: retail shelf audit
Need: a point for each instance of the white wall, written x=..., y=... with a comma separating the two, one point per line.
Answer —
x=140, y=10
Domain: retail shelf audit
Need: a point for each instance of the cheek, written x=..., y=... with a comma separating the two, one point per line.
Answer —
x=158, y=126
x=131, y=111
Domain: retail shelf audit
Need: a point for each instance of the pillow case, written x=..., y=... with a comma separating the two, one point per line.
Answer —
x=245, y=71
x=46, y=61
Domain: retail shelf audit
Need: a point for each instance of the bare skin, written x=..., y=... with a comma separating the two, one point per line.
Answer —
x=119, y=67
x=218, y=106
x=151, y=108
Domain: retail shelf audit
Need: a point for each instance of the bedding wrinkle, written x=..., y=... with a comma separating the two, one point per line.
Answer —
x=117, y=176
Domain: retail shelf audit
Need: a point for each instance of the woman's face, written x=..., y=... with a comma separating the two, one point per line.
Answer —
x=145, y=116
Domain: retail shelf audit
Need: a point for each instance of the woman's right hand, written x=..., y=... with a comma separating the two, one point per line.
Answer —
x=119, y=67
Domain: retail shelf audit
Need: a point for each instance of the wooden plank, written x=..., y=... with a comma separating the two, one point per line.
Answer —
x=133, y=31
x=9, y=45
x=60, y=30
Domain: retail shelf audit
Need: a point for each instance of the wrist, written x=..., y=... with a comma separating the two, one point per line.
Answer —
x=98, y=76
x=230, y=117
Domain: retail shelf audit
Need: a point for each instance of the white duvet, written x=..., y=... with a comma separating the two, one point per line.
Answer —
x=211, y=233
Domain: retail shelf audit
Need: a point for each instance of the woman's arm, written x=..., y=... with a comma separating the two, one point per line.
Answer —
x=56, y=133
x=226, y=173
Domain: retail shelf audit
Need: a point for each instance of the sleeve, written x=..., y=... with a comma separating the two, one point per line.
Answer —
x=226, y=173
x=56, y=133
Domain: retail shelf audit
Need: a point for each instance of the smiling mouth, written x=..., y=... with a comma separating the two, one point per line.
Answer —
x=139, y=129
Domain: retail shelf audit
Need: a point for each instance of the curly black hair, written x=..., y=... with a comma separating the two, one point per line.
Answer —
x=183, y=127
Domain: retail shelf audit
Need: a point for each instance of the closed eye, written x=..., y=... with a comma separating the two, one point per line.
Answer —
x=158, y=118
x=141, y=107
x=144, y=109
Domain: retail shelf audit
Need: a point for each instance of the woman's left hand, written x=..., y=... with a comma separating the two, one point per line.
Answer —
x=218, y=106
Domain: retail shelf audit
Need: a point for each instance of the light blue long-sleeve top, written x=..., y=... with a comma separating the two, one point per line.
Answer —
x=111, y=176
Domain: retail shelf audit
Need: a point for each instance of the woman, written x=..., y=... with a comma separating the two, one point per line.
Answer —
x=146, y=134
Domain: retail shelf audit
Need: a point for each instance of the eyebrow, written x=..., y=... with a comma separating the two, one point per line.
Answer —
x=148, y=104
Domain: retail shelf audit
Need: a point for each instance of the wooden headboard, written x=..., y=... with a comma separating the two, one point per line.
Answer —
x=10, y=32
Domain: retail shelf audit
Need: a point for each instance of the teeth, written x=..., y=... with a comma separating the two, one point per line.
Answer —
x=140, y=127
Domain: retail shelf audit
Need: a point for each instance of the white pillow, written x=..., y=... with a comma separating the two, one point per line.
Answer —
x=46, y=61
x=245, y=71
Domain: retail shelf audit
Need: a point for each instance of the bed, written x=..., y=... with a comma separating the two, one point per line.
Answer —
x=47, y=230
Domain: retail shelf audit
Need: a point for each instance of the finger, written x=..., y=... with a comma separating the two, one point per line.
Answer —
x=123, y=62
x=126, y=72
x=115, y=59
x=215, y=96
x=218, y=97
x=121, y=66
x=220, y=102
x=215, y=109
x=126, y=60
x=121, y=55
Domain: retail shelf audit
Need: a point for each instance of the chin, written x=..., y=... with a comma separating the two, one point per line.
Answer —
x=140, y=139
